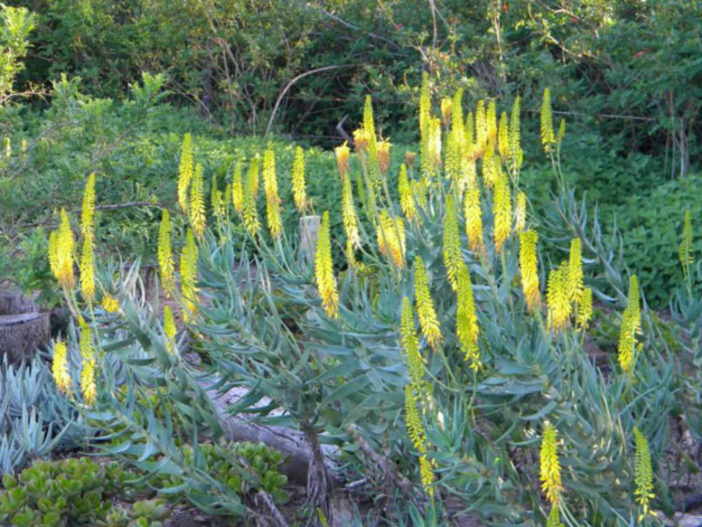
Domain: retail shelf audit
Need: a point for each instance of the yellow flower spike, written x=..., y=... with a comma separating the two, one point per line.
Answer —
x=520, y=213
x=87, y=376
x=558, y=297
x=469, y=174
x=550, y=472
x=87, y=270
x=361, y=142
x=473, y=214
x=87, y=216
x=503, y=137
x=299, y=190
x=452, y=161
x=469, y=134
x=575, y=270
x=188, y=276
x=391, y=238
x=428, y=321
x=547, y=137
x=110, y=303
x=413, y=421
x=384, y=156
x=196, y=212
x=643, y=474
x=59, y=368
x=453, y=260
x=434, y=145
x=528, y=269
x=410, y=345
x=585, y=308
x=270, y=186
x=217, y=200
x=238, y=189
x=64, y=253
x=502, y=210
x=185, y=171
x=426, y=475
x=467, y=320
x=631, y=324
x=324, y=270
x=250, y=213
x=165, y=256
x=489, y=168
x=407, y=203
x=354, y=264
x=348, y=214
x=342, y=153
x=169, y=329
x=554, y=519
x=685, y=247
x=515, y=150
x=491, y=122
x=445, y=105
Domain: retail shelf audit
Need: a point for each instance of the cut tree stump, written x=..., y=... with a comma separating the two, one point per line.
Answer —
x=12, y=302
x=21, y=334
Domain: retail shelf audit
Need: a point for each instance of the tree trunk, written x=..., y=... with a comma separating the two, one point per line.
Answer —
x=21, y=334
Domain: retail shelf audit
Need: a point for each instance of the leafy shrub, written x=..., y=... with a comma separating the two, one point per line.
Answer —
x=457, y=404
x=653, y=222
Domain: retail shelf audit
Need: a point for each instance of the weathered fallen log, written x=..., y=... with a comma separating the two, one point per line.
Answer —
x=21, y=334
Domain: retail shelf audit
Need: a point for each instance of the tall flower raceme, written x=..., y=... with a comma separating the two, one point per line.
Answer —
x=374, y=169
x=467, y=327
x=59, y=368
x=391, y=238
x=87, y=259
x=404, y=189
x=428, y=320
x=457, y=125
x=453, y=260
x=554, y=519
x=324, y=270
x=348, y=213
x=434, y=146
x=417, y=434
x=547, y=137
x=196, y=211
x=238, y=188
x=64, y=253
x=643, y=474
x=270, y=186
x=502, y=210
x=424, y=118
x=630, y=326
x=88, y=386
x=584, y=308
x=528, y=241
x=473, y=214
x=185, y=171
x=469, y=135
x=169, y=329
x=416, y=364
x=165, y=255
x=299, y=190
x=342, y=153
x=250, y=213
x=550, y=471
x=188, y=276
x=446, y=106
x=558, y=297
x=575, y=270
